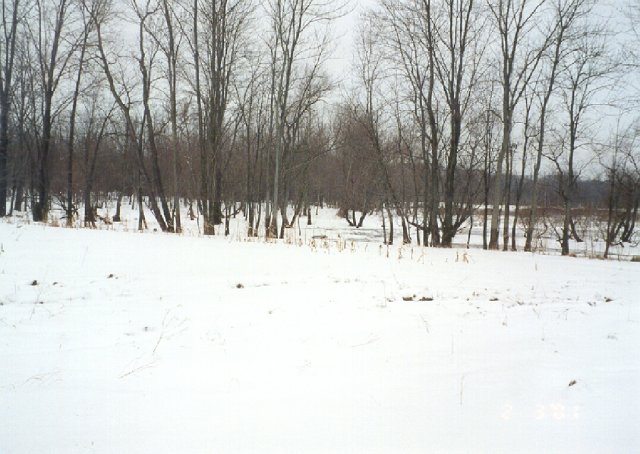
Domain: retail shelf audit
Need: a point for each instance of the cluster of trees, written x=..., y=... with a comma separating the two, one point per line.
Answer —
x=454, y=108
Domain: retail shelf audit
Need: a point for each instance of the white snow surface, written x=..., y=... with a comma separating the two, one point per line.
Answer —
x=157, y=343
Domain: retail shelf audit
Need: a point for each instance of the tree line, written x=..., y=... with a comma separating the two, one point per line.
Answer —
x=498, y=109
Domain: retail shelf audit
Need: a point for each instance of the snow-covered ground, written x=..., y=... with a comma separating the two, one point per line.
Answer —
x=326, y=223
x=114, y=342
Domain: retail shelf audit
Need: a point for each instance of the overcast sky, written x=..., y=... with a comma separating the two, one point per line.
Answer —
x=344, y=34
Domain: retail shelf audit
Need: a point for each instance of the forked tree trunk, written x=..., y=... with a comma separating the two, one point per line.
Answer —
x=390, y=215
x=507, y=203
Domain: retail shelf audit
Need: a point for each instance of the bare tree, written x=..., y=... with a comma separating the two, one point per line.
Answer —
x=485, y=127
x=145, y=59
x=408, y=31
x=527, y=136
x=87, y=20
x=253, y=112
x=458, y=64
x=54, y=41
x=519, y=58
x=360, y=167
x=583, y=77
x=11, y=17
x=93, y=132
x=24, y=110
x=220, y=26
x=370, y=114
x=296, y=63
x=169, y=42
x=621, y=162
x=566, y=13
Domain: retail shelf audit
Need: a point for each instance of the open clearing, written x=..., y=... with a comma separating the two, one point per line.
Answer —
x=152, y=343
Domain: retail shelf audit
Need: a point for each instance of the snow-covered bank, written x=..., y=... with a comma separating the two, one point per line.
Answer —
x=152, y=343
x=327, y=223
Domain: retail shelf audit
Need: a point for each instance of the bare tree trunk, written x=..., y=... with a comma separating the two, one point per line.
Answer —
x=565, y=228
x=507, y=204
x=171, y=50
x=90, y=161
x=72, y=128
x=485, y=179
x=142, y=222
x=390, y=215
x=117, y=215
x=384, y=226
x=519, y=190
x=610, y=209
x=406, y=236
x=498, y=185
x=4, y=147
x=203, y=150
x=8, y=45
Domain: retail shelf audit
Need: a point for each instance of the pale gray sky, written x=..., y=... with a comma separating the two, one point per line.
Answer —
x=344, y=34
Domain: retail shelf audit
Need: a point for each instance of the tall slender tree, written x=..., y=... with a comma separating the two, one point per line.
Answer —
x=11, y=18
x=54, y=41
x=520, y=55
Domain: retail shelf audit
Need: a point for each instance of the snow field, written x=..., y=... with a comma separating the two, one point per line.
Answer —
x=154, y=343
